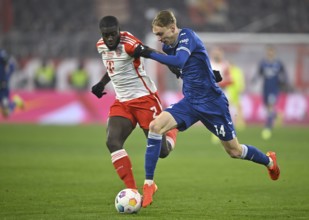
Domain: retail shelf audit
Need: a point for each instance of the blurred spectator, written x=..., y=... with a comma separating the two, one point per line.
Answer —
x=218, y=62
x=274, y=76
x=79, y=79
x=62, y=36
x=7, y=67
x=208, y=13
x=45, y=76
x=234, y=92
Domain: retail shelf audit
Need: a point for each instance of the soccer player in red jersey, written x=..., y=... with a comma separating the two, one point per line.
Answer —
x=137, y=101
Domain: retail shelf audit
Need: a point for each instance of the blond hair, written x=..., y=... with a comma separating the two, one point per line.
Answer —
x=164, y=18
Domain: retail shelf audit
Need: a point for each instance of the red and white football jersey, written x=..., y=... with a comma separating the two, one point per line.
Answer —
x=127, y=74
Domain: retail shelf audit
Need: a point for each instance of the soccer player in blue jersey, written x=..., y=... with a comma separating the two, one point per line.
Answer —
x=7, y=105
x=203, y=100
x=274, y=76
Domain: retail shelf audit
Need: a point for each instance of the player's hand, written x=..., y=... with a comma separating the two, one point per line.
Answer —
x=175, y=70
x=218, y=76
x=142, y=51
x=98, y=90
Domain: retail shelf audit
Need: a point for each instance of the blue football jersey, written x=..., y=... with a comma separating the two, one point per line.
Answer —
x=203, y=99
x=199, y=84
x=273, y=74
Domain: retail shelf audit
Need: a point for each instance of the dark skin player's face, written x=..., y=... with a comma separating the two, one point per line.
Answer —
x=111, y=36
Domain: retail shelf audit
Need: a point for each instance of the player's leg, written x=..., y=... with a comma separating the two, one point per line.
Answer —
x=157, y=128
x=164, y=122
x=145, y=110
x=168, y=142
x=180, y=115
x=118, y=130
x=270, y=117
x=248, y=152
x=221, y=125
x=269, y=102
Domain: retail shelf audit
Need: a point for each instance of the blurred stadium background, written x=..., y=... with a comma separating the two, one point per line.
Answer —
x=64, y=172
x=63, y=32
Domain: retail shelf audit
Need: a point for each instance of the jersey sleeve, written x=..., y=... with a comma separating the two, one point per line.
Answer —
x=130, y=42
x=186, y=44
x=186, y=41
x=177, y=60
x=99, y=45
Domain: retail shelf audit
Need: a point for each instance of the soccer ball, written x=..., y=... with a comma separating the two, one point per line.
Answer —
x=128, y=201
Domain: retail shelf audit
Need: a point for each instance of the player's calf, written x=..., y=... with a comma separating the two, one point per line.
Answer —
x=168, y=143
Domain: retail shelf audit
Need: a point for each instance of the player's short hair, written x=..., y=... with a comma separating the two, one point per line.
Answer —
x=164, y=18
x=108, y=21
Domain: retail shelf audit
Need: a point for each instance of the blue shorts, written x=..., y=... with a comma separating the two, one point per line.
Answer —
x=270, y=98
x=214, y=115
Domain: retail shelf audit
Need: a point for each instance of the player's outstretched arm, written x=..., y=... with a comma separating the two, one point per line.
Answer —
x=144, y=51
x=147, y=52
x=177, y=60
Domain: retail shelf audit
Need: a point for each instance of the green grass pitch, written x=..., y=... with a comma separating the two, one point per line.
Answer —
x=65, y=172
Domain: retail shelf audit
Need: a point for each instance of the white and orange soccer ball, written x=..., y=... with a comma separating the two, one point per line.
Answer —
x=128, y=201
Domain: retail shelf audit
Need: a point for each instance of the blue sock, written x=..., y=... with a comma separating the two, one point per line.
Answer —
x=254, y=154
x=152, y=154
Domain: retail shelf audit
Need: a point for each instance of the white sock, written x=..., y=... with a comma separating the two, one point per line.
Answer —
x=149, y=182
x=271, y=163
x=244, y=151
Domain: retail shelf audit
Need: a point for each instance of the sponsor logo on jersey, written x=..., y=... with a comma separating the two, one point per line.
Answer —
x=118, y=51
x=184, y=41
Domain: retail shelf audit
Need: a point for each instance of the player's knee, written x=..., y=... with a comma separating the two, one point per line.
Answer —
x=113, y=145
x=154, y=128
